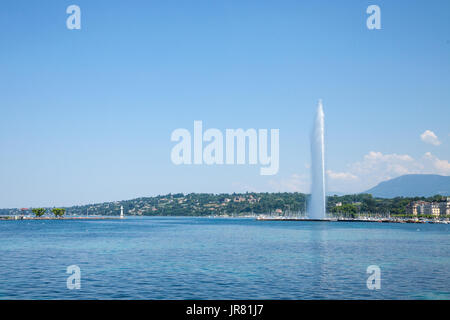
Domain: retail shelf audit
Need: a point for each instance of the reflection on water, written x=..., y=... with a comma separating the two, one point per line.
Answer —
x=201, y=258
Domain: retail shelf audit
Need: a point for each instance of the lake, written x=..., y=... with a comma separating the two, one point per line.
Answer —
x=222, y=258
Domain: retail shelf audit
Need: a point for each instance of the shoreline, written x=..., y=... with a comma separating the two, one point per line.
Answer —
x=256, y=218
x=383, y=220
x=16, y=218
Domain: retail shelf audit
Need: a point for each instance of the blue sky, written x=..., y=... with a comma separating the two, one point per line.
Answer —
x=86, y=115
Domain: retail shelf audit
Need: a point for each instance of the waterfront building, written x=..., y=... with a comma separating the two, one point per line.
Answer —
x=417, y=208
x=436, y=209
x=444, y=207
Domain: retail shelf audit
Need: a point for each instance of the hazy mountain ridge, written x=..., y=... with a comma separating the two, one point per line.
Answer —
x=412, y=185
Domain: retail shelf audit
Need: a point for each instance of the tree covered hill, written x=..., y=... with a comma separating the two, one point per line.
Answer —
x=203, y=204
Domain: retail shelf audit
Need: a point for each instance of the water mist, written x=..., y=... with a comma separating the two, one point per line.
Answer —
x=317, y=207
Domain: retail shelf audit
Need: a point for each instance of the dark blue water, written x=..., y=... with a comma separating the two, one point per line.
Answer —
x=201, y=258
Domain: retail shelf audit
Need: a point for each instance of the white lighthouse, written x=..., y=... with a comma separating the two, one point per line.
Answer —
x=121, y=212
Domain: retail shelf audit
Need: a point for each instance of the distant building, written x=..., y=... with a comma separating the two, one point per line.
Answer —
x=436, y=209
x=416, y=208
x=444, y=207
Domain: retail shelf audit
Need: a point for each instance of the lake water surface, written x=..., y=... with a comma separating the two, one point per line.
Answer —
x=206, y=258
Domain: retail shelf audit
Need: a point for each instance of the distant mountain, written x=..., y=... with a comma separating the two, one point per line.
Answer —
x=412, y=185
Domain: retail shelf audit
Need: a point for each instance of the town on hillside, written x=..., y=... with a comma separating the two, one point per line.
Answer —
x=253, y=204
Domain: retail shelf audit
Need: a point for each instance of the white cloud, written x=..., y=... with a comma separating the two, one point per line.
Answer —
x=362, y=175
x=439, y=166
x=430, y=137
x=341, y=175
x=293, y=183
x=376, y=167
x=386, y=165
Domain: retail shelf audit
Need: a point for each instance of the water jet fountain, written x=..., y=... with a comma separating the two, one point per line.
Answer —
x=317, y=203
x=317, y=206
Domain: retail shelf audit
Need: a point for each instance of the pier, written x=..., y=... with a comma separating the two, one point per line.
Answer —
x=381, y=220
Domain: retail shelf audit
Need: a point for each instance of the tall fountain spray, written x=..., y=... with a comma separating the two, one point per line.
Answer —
x=317, y=205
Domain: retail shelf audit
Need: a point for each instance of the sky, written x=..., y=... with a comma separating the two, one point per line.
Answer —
x=86, y=115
